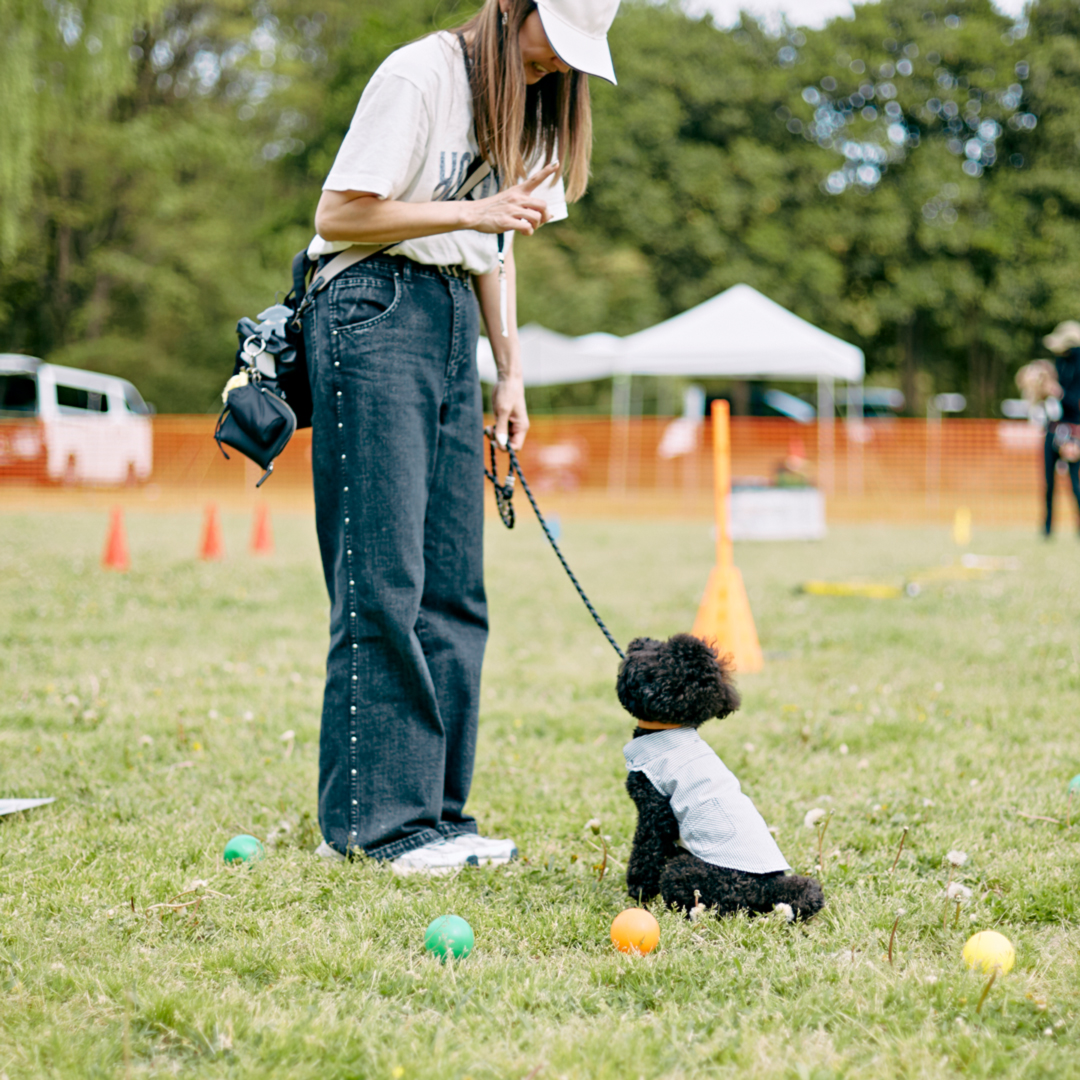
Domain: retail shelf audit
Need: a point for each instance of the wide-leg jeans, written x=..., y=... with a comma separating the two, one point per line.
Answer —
x=398, y=468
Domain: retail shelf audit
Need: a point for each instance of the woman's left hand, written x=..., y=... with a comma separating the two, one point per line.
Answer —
x=511, y=416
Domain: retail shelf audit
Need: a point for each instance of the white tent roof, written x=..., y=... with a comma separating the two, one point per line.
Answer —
x=744, y=334
x=550, y=358
x=738, y=333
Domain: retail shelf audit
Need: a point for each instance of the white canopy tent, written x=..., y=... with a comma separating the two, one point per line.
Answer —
x=742, y=334
x=738, y=334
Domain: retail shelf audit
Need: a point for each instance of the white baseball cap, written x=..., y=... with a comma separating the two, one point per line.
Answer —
x=577, y=30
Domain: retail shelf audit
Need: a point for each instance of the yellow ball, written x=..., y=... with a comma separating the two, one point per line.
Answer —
x=990, y=951
x=635, y=931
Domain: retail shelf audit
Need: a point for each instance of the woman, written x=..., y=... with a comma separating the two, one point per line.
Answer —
x=397, y=440
x=1060, y=444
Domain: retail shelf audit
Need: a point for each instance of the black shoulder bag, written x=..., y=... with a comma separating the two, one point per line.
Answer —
x=269, y=396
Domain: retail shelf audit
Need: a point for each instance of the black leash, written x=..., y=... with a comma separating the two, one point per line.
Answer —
x=504, y=493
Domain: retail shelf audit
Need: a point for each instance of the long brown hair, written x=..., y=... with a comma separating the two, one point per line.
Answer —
x=517, y=124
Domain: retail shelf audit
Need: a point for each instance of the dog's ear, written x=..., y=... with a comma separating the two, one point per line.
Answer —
x=636, y=673
x=678, y=681
x=702, y=680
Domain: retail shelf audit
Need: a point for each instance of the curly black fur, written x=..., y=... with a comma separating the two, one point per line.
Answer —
x=654, y=839
x=678, y=681
x=683, y=681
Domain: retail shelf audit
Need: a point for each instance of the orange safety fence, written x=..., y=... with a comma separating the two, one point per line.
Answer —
x=895, y=470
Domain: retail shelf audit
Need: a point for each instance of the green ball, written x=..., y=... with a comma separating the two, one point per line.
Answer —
x=244, y=848
x=449, y=934
x=1074, y=785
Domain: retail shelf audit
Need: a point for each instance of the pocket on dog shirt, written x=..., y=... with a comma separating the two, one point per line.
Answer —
x=707, y=824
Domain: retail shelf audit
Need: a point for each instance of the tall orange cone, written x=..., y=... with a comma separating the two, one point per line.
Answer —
x=262, y=535
x=115, y=555
x=212, y=547
x=724, y=614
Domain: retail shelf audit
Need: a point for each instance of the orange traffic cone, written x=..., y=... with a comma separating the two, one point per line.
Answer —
x=262, y=535
x=115, y=555
x=212, y=547
x=724, y=615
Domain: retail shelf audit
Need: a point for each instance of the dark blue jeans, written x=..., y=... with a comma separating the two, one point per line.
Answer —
x=397, y=448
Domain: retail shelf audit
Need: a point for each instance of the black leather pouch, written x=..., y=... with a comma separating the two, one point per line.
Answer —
x=256, y=422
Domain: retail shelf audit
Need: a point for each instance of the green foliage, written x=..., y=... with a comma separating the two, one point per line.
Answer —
x=162, y=162
x=153, y=705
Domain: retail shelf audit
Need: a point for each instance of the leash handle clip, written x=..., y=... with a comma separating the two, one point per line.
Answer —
x=504, y=493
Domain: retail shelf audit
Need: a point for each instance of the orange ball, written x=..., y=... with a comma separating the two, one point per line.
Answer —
x=635, y=931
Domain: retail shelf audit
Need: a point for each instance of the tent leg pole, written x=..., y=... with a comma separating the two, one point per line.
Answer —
x=620, y=433
x=825, y=433
x=855, y=438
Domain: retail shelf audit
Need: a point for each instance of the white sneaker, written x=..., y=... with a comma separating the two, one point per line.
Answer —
x=325, y=851
x=438, y=857
x=488, y=851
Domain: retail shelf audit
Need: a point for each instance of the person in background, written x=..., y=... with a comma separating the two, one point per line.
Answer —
x=1063, y=438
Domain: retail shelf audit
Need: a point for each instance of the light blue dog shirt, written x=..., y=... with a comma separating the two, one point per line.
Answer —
x=717, y=822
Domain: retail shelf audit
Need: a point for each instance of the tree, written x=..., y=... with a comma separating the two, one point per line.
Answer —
x=906, y=179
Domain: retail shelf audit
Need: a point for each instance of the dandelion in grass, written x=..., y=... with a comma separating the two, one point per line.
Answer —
x=957, y=893
x=785, y=911
x=818, y=819
x=698, y=909
x=955, y=859
x=593, y=826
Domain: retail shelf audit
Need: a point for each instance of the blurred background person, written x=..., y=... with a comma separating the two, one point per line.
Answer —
x=1062, y=443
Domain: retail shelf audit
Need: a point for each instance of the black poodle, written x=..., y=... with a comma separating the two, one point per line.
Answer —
x=700, y=842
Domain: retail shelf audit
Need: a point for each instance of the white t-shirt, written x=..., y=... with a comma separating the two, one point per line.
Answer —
x=412, y=139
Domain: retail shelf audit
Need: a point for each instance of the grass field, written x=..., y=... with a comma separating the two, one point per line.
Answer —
x=154, y=706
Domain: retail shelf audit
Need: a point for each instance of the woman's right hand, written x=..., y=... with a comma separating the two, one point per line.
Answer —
x=516, y=209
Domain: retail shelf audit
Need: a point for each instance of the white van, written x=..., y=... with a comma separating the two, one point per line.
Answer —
x=71, y=426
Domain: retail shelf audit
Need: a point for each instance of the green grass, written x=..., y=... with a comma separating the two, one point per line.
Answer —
x=153, y=704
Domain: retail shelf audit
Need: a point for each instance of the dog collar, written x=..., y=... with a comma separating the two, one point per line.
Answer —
x=655, y=725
